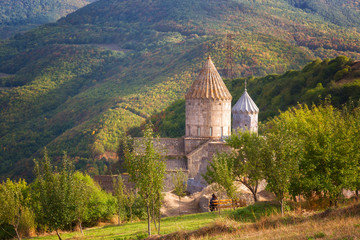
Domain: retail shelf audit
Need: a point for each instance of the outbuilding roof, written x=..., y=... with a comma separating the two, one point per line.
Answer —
x=208, y=85
x=245, y=104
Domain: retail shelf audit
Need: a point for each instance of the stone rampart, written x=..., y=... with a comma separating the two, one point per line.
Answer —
x=166, y=146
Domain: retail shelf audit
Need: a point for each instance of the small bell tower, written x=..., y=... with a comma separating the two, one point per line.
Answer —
x=245, y=114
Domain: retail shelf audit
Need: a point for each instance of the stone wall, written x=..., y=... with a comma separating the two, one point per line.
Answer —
x=173, y=163
x=166, y=146
x=192, y=143
x=208, y=118
x=245, y=121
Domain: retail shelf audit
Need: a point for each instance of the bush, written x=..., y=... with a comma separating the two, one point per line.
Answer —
x=254, y=212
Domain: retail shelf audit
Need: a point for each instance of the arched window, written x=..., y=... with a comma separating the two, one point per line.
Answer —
x=211, y=133
x=222, y=131
x=199, y=131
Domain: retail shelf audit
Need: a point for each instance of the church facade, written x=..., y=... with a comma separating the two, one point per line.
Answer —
x=208, y=122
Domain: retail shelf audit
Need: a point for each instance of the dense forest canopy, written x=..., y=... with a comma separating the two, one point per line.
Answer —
x=82, y=82
x=21, y=15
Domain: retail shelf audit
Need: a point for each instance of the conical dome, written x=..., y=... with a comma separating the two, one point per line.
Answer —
x=208, y=85
x=245, y=105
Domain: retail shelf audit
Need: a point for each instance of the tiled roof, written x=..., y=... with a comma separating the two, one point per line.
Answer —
x=208, y=85
x=245, y=105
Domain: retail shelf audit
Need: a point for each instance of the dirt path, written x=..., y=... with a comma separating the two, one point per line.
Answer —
x=188, y=204
x=198, y=202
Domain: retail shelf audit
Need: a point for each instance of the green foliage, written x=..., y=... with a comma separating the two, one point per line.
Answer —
x=147, y=170
x=14, y=209
x=91, y=203
x=53, y=194
x=315, y=82
x=254, y=212
x=25, y=14
x=179, y=180
x=68, y=92
x=280, y=154
x=248, y=165
x=120, y=196
x=221, y=171
x=316, y=149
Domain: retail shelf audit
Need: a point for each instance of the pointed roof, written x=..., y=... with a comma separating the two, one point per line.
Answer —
x=245, y=104
x=208, y=84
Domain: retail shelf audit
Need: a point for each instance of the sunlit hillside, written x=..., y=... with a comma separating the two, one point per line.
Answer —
x=79, y=84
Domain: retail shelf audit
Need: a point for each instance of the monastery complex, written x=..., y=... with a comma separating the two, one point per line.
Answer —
x=208, y=122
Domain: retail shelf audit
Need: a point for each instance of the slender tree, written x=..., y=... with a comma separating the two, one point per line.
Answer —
x=13, y=199
x=82, y=195
x=147, y=170
x=53, y=191
x=180, y=185
x=120, y=196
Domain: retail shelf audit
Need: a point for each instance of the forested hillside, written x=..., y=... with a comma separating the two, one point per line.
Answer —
x=21, y=15
x=79, y=84
x=336, y=81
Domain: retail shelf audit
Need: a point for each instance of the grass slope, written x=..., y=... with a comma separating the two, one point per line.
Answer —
x=67, y=91
x=259, y=221
x=138, y=230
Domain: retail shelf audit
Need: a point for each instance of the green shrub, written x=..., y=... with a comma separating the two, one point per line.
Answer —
x=254, y=212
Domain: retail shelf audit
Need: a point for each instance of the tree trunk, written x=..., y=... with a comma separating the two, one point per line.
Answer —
x=58, y=234
x=148, y=215
x=357, y=194
x=80, y=225
x=17, y=233
x=119, y=219
x=255, y=197
x=282, y=206
x=159, y=223
x=179, y=206
x=252, y=189
x=130, y=214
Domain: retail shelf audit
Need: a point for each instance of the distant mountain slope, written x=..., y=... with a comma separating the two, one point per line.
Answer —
x=25, y=14
x=68, y=90
x=345, y=13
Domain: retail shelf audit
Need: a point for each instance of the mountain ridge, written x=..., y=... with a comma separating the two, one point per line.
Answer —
x=69, y=94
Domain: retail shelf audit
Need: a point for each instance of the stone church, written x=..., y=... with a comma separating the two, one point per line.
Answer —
x=208, y=122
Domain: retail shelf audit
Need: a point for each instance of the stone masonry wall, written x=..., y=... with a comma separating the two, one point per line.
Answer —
x=208, y=118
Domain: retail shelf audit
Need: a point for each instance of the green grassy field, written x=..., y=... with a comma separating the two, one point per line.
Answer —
x=139, y=229
x=259, y=221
